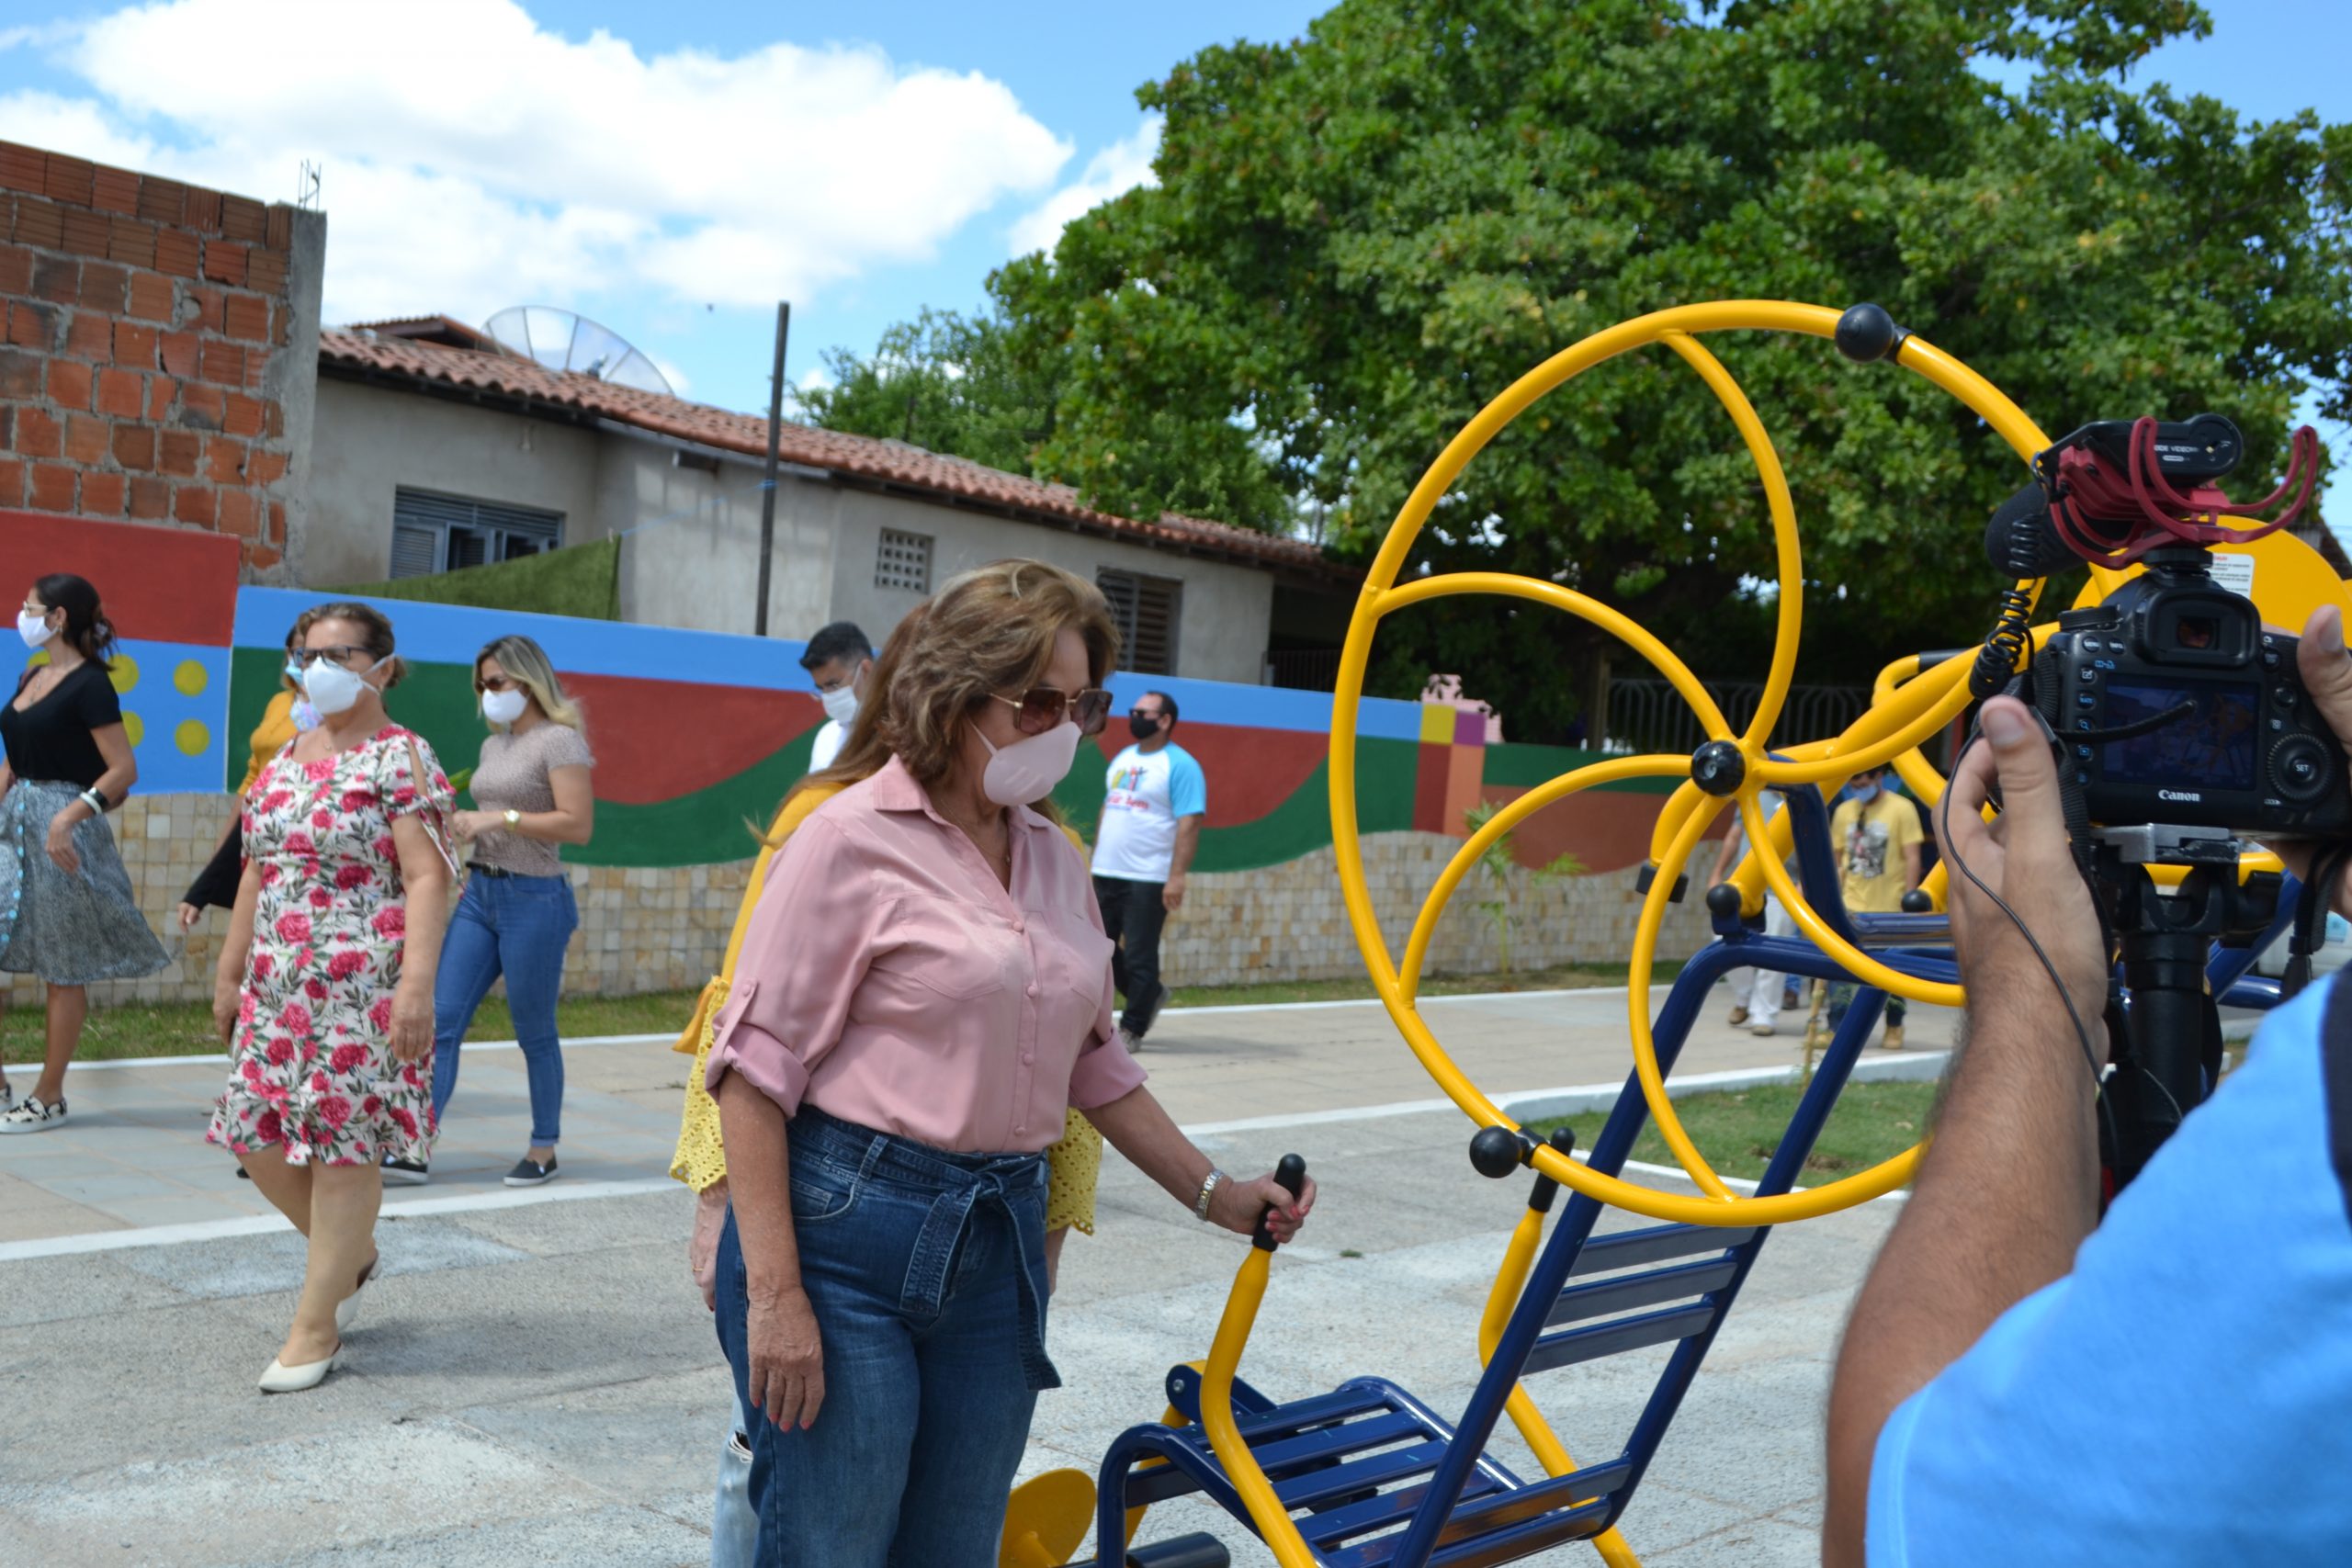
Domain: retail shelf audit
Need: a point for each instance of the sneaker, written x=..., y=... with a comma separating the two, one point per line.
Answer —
x=30, y=1115
x=1790, y=1000
x=528, y=1172
x=1761, y=1030
x=1130, y=1043
x=1738, y=1016
x=1893, y=1041
x=1146, y=1016
x=405, y=1172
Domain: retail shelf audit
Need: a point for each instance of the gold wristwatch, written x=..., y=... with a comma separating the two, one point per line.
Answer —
x=513, y=820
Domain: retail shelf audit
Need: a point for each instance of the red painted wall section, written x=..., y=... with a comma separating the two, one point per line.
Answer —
x=157, y=584
x=690, y=735
x=1250, y=772
x=1607, y=831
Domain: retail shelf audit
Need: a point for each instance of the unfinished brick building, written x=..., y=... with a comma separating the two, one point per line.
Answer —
x=162, y=355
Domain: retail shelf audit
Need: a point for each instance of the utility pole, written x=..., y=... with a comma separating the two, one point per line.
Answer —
x=775, y=438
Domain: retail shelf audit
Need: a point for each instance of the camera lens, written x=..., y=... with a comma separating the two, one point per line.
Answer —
x=2299, y=768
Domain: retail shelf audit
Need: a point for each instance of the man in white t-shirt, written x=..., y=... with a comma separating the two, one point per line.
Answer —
x=1143, y=847
x=839, y=659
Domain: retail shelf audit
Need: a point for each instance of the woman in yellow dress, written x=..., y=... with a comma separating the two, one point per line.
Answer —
x=286, y=715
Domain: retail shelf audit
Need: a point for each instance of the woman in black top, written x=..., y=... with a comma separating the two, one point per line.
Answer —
x=66, y=909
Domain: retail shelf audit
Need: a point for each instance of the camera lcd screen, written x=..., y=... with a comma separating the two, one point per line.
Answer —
x=2210, y=747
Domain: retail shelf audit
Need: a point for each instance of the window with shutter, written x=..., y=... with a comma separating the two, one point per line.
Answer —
x=903, y=561
x=434, y=533
x=1145, y=610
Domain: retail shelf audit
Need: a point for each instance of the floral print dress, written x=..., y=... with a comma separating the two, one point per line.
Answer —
x=312, y=1067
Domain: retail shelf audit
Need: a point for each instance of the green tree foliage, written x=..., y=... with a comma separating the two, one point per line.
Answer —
x=945, y=382
x=1360, y=237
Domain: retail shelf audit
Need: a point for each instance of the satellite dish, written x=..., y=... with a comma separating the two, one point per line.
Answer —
x=564, y=340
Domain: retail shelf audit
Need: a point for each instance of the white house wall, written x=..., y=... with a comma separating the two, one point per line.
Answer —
x=694, y=557
x=1221, y=634
x=368, y=442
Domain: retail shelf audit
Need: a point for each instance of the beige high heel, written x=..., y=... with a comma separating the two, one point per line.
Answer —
x=348, y=1308
x=294, y=1379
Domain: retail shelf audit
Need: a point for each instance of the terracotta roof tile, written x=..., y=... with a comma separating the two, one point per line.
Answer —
x=863, y=457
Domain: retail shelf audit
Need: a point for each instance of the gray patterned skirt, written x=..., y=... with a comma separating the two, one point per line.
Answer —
x=69, y=930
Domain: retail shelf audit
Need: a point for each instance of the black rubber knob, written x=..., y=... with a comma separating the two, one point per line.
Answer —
x=1916, y=902
x=1495, y=1152
x=1290, y=1174
x=1722, y=898
x=1866, y=334
x=1717, y=767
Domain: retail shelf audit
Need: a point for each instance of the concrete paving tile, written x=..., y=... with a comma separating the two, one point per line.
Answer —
x=547, y=1229
x=254, y=1266
x=586, y=1538
x=1759, y=1543
x=219, y=1508
x=626, y=1436
x=67, y=1290
x=183, y=1208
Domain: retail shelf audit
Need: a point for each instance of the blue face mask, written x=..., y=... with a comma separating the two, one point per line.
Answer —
x=1866, y=793
x=293, y=670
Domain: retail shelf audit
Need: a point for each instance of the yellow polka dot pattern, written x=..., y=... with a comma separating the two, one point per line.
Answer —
x=192, y=738
x=191, y=678
x=133, y=727
x=125, y=673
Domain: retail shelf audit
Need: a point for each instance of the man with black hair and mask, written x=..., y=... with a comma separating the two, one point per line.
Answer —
x=840, y=660
x=1144, y=845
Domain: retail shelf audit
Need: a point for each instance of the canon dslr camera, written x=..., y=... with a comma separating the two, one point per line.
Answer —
x=2170, y=703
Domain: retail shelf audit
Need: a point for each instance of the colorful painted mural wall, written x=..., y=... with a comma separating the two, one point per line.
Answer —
x=698, y=735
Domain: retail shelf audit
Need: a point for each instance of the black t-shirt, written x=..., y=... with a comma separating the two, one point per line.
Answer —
x=51, y=740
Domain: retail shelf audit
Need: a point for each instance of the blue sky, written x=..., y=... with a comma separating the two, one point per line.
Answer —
x=675, y=175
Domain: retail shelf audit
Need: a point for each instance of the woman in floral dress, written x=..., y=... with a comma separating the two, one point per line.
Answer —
x=324, y=992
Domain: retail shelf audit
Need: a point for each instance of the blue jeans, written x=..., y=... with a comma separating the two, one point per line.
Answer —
x=927, y=1273
x=734, y=1528
x=516, y=925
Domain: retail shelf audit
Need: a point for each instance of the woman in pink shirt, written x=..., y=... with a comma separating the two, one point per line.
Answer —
x=925, y=988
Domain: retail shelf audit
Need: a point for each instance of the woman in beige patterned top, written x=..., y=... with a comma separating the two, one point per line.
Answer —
x=518, y=914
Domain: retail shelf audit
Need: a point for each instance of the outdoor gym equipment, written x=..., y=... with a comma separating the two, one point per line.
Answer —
x=1367, y=1476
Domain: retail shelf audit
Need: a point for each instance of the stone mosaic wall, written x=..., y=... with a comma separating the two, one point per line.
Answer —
x=654, y=928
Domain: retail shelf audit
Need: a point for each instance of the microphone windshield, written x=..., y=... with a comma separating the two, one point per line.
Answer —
x=2022, y=540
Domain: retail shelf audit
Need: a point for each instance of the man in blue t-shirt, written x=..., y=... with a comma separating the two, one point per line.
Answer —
x=1152, y=824
x=2171, y=1388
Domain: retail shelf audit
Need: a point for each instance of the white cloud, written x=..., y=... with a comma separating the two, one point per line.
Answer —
x=1114, y=171
x=473, y=159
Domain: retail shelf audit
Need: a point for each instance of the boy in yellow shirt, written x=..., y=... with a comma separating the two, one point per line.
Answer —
x=1876, y=837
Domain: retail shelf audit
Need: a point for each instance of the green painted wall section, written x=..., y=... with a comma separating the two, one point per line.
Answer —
x=1512, y=766
x=718, y=824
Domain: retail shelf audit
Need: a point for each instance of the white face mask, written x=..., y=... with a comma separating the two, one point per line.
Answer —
x=841, y=704
x=503, y=707
x=35, y=629
x=332, y=689
x=1029, y=768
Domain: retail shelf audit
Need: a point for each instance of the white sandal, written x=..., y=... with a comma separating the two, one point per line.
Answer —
x=294, y=1379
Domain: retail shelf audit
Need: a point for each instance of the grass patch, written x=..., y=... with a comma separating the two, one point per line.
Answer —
x=185, y=1029
x=1738, y=1130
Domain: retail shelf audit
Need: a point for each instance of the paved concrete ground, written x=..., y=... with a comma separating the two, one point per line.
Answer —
x=537, y=1384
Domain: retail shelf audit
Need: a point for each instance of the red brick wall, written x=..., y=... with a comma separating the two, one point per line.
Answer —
x=152, y=335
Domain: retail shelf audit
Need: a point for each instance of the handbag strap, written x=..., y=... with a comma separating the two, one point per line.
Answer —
x=433, y=815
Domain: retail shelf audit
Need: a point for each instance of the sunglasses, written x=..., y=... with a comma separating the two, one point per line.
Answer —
x=340, y=654
x=1040, y=708
x=496, y=683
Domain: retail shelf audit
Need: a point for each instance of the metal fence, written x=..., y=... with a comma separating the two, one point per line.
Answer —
x=1650, y=716
x=1304, y=669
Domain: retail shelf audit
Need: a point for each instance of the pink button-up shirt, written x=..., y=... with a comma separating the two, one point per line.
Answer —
x=888, y=979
